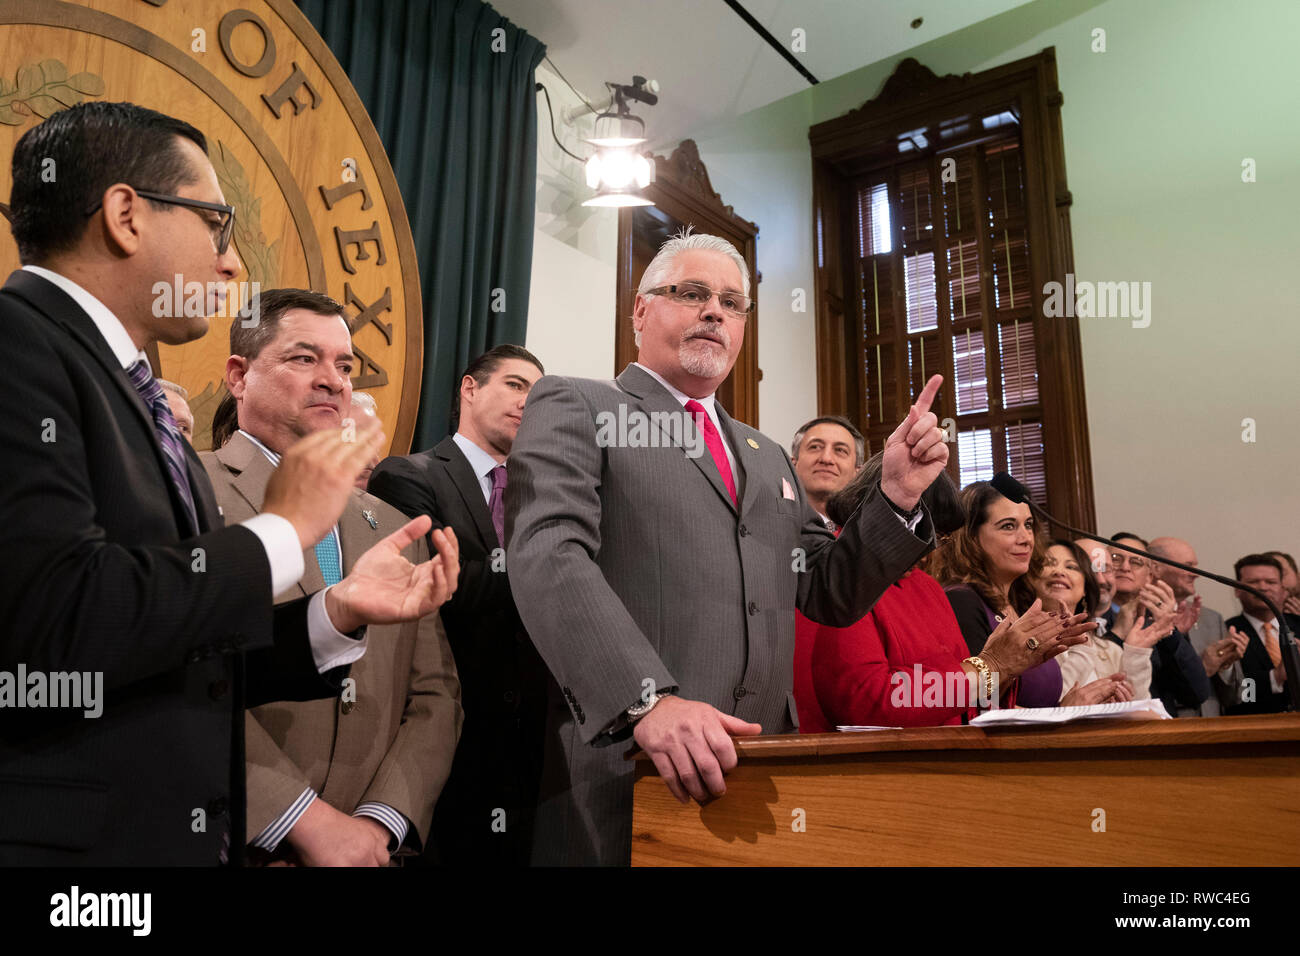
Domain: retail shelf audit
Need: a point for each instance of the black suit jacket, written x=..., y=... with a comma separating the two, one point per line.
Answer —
x=1255, y=665
x=1178, y=678
x=503, y=679
x=100, y=573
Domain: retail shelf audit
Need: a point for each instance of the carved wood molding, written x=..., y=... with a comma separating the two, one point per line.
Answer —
x=685, y=169
x=912, y=79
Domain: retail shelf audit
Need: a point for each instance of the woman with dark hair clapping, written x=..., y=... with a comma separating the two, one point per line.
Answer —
x=989, y=567
x=1102, y=669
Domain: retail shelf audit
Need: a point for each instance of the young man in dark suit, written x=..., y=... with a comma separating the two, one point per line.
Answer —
x=113, y=558
x=486, y=809
x=1261, y=662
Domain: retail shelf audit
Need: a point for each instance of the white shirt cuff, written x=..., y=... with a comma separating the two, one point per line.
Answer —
x=283, y=551
x=1273, y=682
x=330, y=647
x=910, y=523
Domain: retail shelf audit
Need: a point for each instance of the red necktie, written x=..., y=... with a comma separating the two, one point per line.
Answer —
x=714, y=442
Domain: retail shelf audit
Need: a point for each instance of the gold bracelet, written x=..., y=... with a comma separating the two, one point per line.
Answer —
x=985, y=672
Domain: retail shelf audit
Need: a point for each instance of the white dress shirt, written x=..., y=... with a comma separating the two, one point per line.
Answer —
x=329, y=648
x=480, y=462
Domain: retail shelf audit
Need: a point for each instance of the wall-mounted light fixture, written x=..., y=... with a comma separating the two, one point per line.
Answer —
x=616, y=170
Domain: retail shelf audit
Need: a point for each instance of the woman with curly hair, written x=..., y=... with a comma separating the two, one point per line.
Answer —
x=989, y=567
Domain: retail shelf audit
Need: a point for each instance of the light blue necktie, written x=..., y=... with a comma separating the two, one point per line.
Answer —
x=327, y=556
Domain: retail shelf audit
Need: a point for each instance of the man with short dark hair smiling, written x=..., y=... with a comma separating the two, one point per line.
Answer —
x=827, y=452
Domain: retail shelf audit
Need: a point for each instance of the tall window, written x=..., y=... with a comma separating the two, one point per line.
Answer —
x=941, y=211
x=943, y=286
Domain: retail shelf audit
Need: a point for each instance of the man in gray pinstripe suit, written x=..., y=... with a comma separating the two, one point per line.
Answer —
x=658, y=549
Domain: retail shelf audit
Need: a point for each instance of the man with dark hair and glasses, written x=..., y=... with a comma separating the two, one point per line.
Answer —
x=113, y=559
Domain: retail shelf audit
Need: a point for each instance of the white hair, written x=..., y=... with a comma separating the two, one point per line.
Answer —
x=684, y=241
x=173, y=387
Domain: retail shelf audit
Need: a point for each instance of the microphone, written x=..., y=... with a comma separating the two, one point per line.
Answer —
x=1014, y=491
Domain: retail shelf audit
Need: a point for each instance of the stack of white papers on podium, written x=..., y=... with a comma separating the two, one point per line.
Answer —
x=1127, y=710
x=856, y=728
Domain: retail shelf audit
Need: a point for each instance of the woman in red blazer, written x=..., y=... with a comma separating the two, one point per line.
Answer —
x=903, y=665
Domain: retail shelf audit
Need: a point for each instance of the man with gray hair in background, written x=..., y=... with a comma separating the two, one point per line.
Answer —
x=178, y=401
x=366, y=405
x=657, y=570
x=1218, y=650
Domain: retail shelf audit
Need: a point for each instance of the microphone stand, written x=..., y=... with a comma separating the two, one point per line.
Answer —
x=1013, y=490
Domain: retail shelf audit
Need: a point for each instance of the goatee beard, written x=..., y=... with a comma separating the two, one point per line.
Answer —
x=702, y=361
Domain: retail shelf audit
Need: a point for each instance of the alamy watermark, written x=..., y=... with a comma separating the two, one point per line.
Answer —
x=180, y=298
x=634, y=428
x=1102, y=300
x=948, y=690
x=75, y=690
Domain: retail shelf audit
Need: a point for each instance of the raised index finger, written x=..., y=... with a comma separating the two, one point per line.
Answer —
x=926, y=398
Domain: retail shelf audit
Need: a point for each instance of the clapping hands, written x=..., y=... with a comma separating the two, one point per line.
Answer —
x=1025, y=641
x=1158, y=598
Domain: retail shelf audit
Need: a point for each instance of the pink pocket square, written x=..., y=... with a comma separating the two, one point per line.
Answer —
x=787, y=492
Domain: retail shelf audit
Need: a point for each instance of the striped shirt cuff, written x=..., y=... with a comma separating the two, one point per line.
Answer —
x=279, y=828
x=396, y=823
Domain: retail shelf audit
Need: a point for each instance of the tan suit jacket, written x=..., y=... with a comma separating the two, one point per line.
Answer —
x=395, y=743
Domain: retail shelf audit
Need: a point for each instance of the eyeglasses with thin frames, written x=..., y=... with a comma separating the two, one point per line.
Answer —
x=226, y=225
x=1118, y=560
x=698, y=294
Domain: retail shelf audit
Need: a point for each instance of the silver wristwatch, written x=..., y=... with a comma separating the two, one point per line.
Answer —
x=643, y=707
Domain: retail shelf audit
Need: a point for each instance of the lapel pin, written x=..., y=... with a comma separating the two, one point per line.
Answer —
x=752, y=444
x=370, y=519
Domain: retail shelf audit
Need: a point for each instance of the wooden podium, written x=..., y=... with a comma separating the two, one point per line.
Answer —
x=1221, y=791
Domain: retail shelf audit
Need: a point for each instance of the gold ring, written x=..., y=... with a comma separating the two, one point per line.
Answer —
x=1032, y=644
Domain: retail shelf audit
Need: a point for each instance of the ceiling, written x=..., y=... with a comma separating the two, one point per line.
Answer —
x=710, y=64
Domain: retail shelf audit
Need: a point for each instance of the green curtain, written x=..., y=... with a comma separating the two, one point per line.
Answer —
x=459, y=122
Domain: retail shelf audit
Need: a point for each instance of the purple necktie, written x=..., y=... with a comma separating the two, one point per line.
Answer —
x=497, y=502
x=169, y=435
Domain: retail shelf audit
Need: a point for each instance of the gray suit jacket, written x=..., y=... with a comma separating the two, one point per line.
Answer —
x=1209, y=628
x=632, y=565
x=394, y=743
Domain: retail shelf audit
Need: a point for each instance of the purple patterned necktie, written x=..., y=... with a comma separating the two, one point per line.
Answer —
x=497, y=502
x=169, y=435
